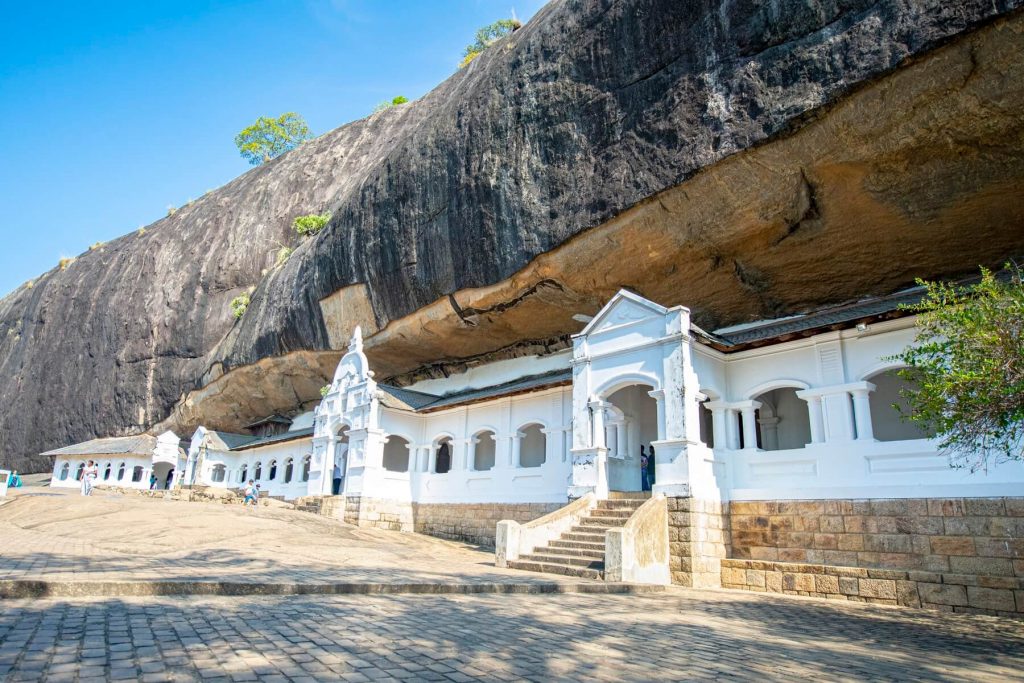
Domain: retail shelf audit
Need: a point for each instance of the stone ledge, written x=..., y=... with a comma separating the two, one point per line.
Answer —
x=999, y=596
x=20, y=589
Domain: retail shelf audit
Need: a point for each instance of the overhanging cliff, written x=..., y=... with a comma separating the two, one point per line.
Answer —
x=744, y=159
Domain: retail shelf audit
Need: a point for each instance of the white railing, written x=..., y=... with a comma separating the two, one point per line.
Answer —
x=513, y=539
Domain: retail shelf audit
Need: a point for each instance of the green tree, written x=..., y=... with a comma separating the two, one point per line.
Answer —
x=486, y=36
x=311, y=224
x=967, y=362
x=269, y=138
x=401, y=99
x=239, y=304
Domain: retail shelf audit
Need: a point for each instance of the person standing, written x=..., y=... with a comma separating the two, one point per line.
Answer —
x=89, y=475
x=336, y=488
x=645, y=483
x=252, y=495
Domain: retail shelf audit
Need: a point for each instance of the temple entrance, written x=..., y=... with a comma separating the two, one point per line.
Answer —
x=164, y=473
x=340, y=462
x=631, y=426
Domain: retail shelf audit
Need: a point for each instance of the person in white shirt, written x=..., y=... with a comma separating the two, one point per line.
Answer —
x=89, y=475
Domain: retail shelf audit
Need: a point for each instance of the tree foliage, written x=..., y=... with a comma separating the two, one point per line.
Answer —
x=239, y=304
x=311, y=224
x=968, y=364
x=395, y=101
x=486, y=36
x=269, y=138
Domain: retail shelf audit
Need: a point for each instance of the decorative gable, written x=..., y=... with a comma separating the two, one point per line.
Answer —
x=624, y=308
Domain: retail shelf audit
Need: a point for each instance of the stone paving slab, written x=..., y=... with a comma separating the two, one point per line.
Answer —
x=681, y=635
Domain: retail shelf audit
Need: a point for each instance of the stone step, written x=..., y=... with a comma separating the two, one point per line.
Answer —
x=613, y=513
x=584, y=536
x=556, y=568
x=619, y=505
x=569, y=554
x=629, y=495
x=552, y=558
x=606, y=519
x=585, y=528
x=596, y=546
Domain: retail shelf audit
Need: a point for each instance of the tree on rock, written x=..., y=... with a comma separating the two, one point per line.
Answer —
x=401, y=99
x=269, y=137
x=486, y=36
x=968, y=364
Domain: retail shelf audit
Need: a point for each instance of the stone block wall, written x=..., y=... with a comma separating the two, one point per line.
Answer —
x=473, y=523
x=999, y=596
x=954, y=554
x=698, y=535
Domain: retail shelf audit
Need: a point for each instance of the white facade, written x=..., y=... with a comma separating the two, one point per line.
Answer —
x=793, y=420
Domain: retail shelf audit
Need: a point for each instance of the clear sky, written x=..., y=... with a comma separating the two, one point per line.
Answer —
x=112, y=111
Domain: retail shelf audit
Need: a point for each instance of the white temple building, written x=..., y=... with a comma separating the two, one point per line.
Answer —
x=799, y=408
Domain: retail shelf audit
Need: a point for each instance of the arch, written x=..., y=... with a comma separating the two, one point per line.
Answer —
x=442, y=455
x=631, y=436
x=257, y=470
x=880, y=367
x=305, y=467
x=289, y=467
x=218, y=473
x=120, y=472
x=485, y=450
x=64, y=471
x=79, y=471
x=533, y=421
x=887, y=423
x=106, y=472
x=620, y=382
x=243, y=474
x=706, y=420
x=783, y=420
x=396, y=453
x=137, y=473
x=774, y=384
x=272, y=470
x=533, y=445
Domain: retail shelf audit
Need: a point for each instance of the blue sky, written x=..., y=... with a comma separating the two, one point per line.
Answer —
x=114, y=110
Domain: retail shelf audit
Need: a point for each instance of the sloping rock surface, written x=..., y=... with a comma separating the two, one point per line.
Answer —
x=574, y=122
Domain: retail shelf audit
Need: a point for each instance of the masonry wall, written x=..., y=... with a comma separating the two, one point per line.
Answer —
x=698, y=535
x=474, y=522
x=958, y=554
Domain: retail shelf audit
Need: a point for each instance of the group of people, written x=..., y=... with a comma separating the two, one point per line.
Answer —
x=90, y=473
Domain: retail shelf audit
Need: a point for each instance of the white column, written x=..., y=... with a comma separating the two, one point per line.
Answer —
x=719, y=425
x=622, y=439
x=597, y=419
x=659, y=396
x=769, y=433
x=517, y=444
x=732, y=424
x=815, y=414
x=862, y=414
x=750, y=425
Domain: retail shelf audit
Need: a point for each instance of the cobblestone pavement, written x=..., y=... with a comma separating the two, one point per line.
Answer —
x=687, y=635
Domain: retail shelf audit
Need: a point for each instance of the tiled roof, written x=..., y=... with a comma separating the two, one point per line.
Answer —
x=142, y=444
x=813, y=321
x=258, y=441
x=232, y=441
x=404, y=399
x=417, y=402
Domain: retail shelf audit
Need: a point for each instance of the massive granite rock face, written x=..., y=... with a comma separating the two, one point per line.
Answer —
x=745, y=159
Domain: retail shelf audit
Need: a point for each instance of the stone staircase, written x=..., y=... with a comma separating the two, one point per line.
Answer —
x=580, y=551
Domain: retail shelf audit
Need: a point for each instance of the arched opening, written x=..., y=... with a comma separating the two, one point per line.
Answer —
x=340, y=461
x=484, y=451
x=288, y=467
x=218, y=473
x=886, y=420
x=631, y=428
x=243, y=475
x=305, y=468
x=64, y=471
x=783, y=421
x=257, y=471
x=79, y=471
x=272, y=473
x=164, y=473
x=106, y=472
x=533, y=447
x=137, y=473
x=442, y=455
x=706, y=420
x=120, y=472
x=396, y=454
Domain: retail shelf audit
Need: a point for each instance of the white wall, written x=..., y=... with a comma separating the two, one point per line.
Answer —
x=130, y=463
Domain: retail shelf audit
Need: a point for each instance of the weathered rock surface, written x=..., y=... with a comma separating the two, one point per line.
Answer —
x=744, y=159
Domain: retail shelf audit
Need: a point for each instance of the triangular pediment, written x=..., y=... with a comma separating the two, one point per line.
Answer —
x=624, y=308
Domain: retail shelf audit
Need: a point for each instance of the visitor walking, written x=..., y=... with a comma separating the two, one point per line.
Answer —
x=89, y=475
x=336, y=488
x=152, y=481
x=645, y=482
x=252, y=495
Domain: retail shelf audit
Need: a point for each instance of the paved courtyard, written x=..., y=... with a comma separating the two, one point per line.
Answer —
x=678, y=634
x=681, y=635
